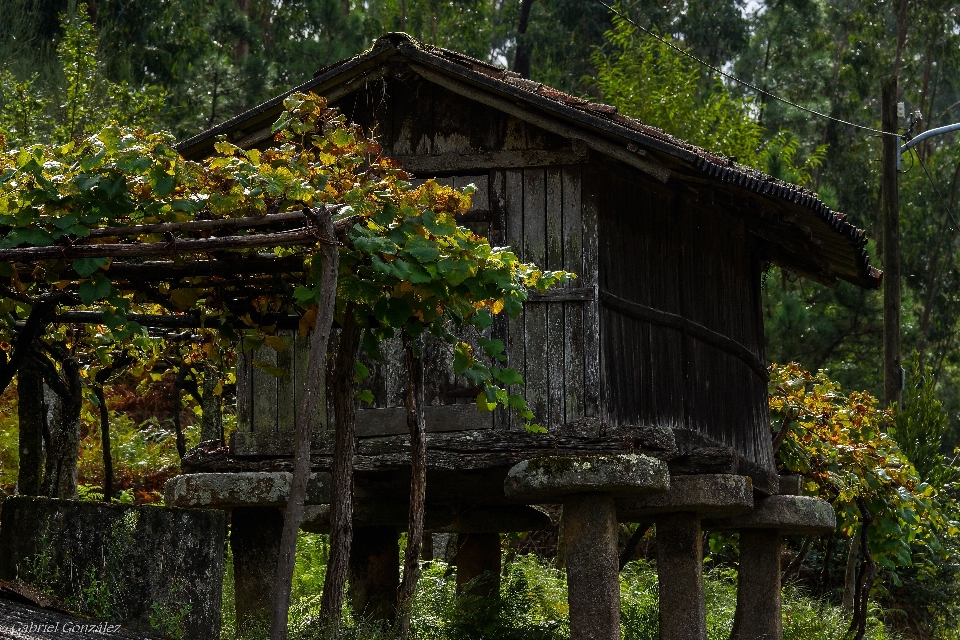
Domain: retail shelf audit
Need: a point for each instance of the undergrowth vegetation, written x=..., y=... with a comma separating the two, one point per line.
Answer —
x=533, y=604
x=143, y=444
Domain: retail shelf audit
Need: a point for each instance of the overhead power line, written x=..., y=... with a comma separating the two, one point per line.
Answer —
x=738, y=80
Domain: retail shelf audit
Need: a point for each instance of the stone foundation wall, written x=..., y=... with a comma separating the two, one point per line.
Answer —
x=149, y=568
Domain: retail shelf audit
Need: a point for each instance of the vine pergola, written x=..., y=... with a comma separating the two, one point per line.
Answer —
x=318, y=227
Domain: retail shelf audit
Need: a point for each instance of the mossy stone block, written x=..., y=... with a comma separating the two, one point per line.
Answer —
x=551, y=478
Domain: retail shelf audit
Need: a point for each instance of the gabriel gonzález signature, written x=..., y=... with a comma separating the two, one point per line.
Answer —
x=59, y=627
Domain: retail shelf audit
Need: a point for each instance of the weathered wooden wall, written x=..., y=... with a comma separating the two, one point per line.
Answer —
x=532, y=192
x=666, y=276
x=680, y=299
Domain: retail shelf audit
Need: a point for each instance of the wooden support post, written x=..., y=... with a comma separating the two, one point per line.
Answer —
x=680, y=571
x=255, y=542
x=890, y=202
x=590, y=547
x=374, y=572
x=478, y=556
x=758, y=586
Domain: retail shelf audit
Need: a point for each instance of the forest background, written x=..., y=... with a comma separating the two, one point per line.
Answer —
x=68, y=69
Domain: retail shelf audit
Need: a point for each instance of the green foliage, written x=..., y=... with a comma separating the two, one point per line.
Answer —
x=648, y=80
x=9, y=441
x=82, y=100
x=919, y=428
x=839, y=444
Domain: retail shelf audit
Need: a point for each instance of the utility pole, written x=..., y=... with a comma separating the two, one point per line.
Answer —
x=890, y=206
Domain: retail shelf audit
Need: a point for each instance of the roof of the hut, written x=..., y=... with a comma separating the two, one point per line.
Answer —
x=797, y=230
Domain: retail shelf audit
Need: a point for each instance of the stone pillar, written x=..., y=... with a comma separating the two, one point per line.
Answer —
x=374, y=572
x=678, y=513
x=759, y=616
x=680, y=572
x=478, y=556
x=758, y=613
x=255, y=542
x=590, y=545
x=588, y=486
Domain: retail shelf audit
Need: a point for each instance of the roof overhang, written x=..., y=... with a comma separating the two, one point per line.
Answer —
x=794, y=228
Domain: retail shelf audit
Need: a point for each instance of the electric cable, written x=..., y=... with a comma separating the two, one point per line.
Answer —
x=738, y=80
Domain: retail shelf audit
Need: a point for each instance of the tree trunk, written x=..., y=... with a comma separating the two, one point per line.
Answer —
x=43, y=312
x=60, y=479
x=177, y=386
x=418, y=482
x=105, y=444
x=850, y=577
x=211, y=421
x=316, y=370
x=344, y=448
x=865, y=576
x=30, y=414
x=242, y=49
x=522, y=58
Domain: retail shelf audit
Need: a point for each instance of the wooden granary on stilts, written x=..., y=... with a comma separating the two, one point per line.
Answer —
x=648, y=370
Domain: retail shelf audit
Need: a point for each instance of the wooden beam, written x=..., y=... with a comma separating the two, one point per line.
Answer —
x=604, y=146
x=249, y=222
x=426, y=166
x=301, y=236
x=573, y=294
x=168, y=270
x=694, y=329
x=161, y=321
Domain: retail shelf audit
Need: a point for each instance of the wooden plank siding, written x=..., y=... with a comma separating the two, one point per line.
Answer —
x=669, y=254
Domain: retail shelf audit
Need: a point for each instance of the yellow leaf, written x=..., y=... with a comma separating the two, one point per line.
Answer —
x=183, y=299
x=307, y=321
x=275, y=342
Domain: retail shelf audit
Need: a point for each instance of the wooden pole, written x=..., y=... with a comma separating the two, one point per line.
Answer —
x=418, y=483
x=341, y=481
x=316, y=370
x=890, y=203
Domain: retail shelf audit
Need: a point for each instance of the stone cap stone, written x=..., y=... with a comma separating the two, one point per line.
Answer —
x=792, y=515
x=242, y=489
x=550, y=478
x=707, y=495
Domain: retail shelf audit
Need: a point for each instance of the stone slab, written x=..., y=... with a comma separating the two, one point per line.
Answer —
x=551, y=478
x=791, y=515
x=148, y=568
x=243, y=489
x=708, y=495
x=316, y=518
x=499, y=520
